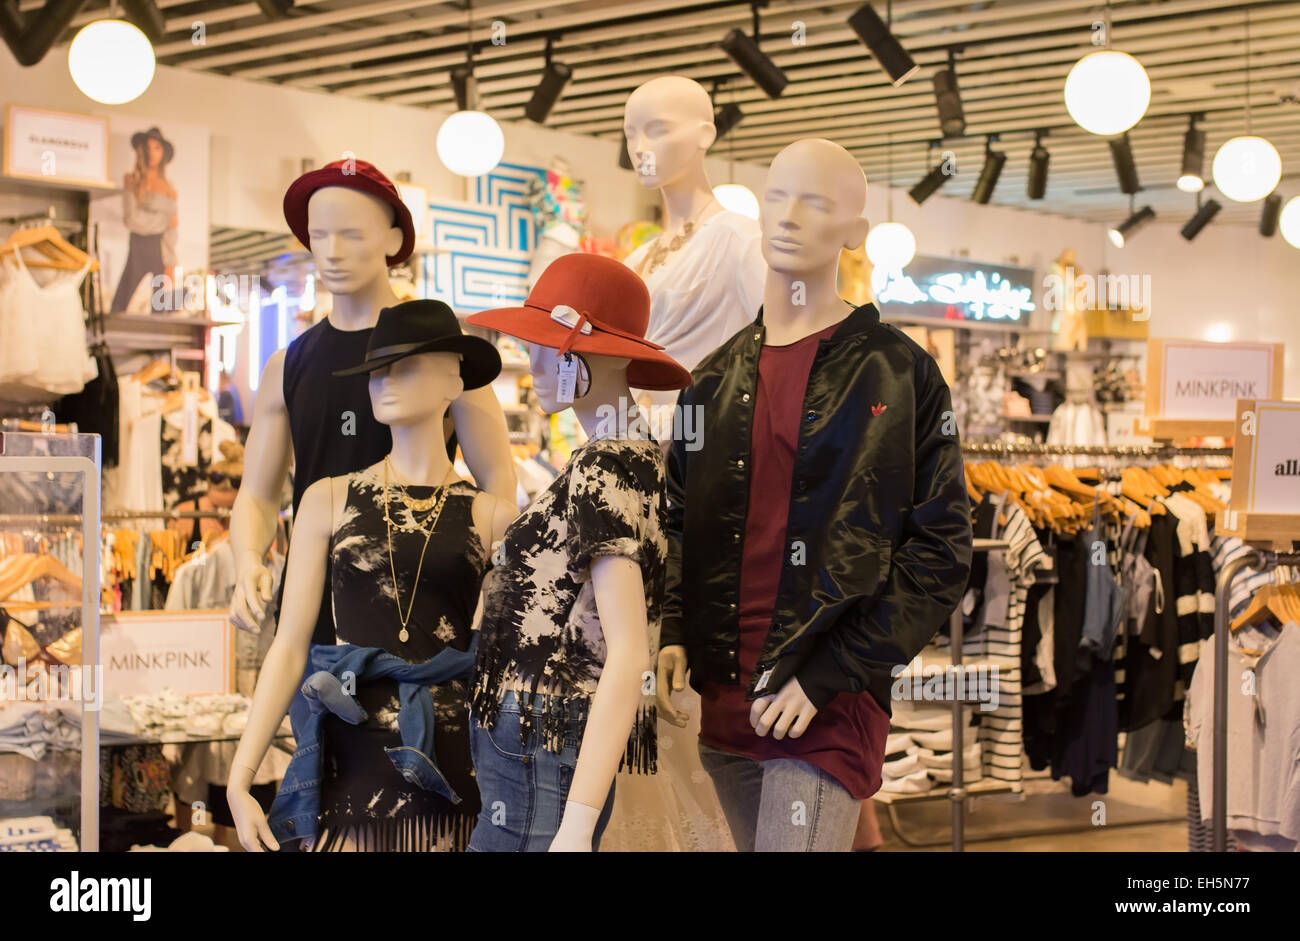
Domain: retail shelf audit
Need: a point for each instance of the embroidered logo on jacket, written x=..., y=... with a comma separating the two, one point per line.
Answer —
x=877, y=409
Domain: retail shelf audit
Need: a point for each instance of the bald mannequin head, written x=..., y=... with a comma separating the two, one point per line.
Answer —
x=669, y=127
x=812, y=206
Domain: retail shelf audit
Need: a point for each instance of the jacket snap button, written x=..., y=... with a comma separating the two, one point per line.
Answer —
x=289, y=826
x=757, y=335
x=812, y=415
x=745, y=397
x=735, y=537
x=732, y=606
x=803, y=485
x=740, y=463
x=733, y=676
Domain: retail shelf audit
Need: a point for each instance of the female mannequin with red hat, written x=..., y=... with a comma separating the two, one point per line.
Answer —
x=353, y=220
x=398, y=551
x=563, y=688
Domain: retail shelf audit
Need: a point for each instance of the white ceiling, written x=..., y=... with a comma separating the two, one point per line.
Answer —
x=1016, y=54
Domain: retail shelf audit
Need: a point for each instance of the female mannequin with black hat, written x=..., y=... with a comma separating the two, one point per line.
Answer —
x=149, y=207
x=563, y=689
x=400, y=549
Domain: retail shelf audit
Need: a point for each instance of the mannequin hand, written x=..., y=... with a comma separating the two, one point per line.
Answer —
x=671, y=679
x=250, y=822
x=789, y=711
x=252, y=594
x=576, y=829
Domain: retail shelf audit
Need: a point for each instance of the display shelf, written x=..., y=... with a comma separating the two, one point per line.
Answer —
x=1036, y=419
x=1275, y=531
x=943, y=792
x=1180, y=429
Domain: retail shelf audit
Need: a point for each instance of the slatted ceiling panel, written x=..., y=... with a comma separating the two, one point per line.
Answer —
x=1011, y=72
x=237, y=249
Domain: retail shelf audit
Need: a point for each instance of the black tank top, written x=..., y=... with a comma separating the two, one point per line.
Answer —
x=334, y=432
x=333, y=429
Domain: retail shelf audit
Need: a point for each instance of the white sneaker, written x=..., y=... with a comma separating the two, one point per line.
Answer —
x=912, y=784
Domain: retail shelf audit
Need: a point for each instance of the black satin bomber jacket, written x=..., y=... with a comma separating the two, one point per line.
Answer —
x=878, y=499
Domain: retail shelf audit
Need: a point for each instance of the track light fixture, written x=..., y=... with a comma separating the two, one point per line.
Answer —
x=1125, y=168
x=1036, y=185
x=1191, y=179
x=889, y=52
x=1130, y=226
x=465, y=86
x=1204, y=213
x=947, y=98
x=726, y=118
x=1268, y=217
x=554, y=77
x=753, y=61
x=994, y=161
x=929, y=183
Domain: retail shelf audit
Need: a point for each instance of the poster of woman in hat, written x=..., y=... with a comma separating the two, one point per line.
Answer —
x=150, y=212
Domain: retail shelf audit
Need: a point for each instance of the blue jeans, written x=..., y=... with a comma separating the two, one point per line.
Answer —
x=781, y=805
x=522, y=785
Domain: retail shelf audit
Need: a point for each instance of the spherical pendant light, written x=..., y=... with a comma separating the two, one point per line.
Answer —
x=890, y=246
x=737, y=198
x=1107, y=92
x=1247, y=168
x=111, y=61
x=1289, y=222
x=470, y=143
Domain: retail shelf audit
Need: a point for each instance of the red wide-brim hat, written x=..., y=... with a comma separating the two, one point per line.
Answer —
x=353, y=174
x=588, y=303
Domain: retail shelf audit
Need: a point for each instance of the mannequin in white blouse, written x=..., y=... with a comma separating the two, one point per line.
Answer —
x=711, y=285
x=700, y=294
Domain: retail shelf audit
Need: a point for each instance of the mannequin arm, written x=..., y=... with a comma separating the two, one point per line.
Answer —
x=285, y=661
x=620, y=595
x=252, y=521
x=481, y=430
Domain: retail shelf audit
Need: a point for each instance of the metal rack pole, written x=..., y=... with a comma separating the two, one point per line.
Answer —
x=1262, y=561
x=957, y=793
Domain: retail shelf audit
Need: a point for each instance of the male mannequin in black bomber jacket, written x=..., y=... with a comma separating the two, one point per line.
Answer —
x=821, y=534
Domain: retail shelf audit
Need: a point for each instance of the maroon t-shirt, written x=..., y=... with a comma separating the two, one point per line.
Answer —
x=846, y=739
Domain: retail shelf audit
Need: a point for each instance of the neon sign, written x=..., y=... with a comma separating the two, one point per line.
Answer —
x=949, y=289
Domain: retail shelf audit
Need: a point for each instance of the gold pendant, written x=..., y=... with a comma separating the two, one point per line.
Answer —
x=403, y=635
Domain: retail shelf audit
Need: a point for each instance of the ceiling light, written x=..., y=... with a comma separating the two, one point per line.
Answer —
x=928, y=184
x=554, y=77
x=1247, y=168
x=947, y=98
x=1130, y=226
x=726, y=118
x=737, y=198
x=1107, y=92
x=890, y=246
x=1289, y=222
x=889, y=52
x=1121, y=153
x=753, y=61
x=1192, y=177
x=1036, y=186
x=1268, y=218
x=1202, y=218
x=994, y=160
x=111, y=61
x=469, y=142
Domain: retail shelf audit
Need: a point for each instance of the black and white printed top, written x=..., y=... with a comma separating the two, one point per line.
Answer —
x=541, y=634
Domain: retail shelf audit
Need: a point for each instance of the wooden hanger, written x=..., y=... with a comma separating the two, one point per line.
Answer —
x=155, y=370
x=57, y=251
x=44, y=565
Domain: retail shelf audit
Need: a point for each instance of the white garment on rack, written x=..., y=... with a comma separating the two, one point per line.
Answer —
x=43, y=334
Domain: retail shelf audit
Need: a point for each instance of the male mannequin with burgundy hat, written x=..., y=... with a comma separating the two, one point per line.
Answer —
x=562, y=694
x=352, y=219
x=821, y=534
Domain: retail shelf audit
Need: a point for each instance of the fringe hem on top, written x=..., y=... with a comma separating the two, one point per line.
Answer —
x=565, y=717
x=425, y=834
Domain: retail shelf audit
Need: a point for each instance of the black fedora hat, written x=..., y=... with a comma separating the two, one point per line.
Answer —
x=426, y=326
x=139, y=137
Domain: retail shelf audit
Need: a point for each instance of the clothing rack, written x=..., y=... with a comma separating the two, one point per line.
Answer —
x=67, y=519
x=1158, y=451
x=1263, y=561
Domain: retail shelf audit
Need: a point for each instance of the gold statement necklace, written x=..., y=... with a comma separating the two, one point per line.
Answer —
x=659, y=252
x=434, y=503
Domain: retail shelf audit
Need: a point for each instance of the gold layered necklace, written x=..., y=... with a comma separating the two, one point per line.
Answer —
x=659, y=252
x=434, y=503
